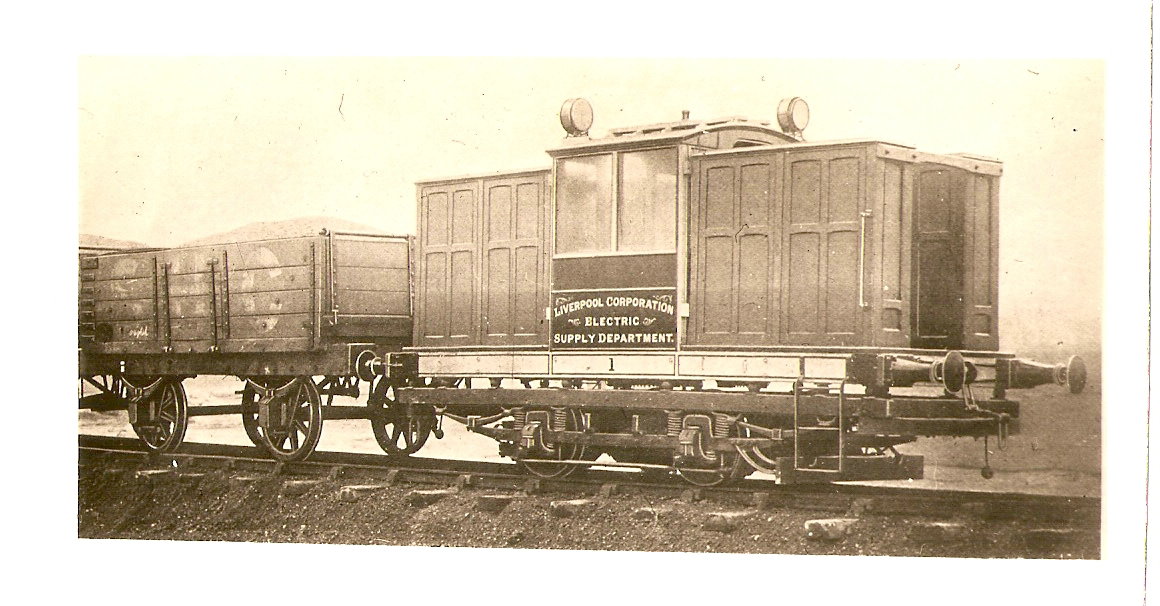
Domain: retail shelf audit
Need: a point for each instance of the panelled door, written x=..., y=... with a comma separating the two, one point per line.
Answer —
x=514, y=276
x=981, y=252
x=938, y=258
x=735, y=260
x=824, y=193
x=449, y=280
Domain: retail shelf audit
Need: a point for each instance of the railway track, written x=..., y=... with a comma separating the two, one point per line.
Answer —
x=356, y=468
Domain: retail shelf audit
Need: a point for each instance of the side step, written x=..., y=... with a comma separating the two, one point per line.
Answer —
x=853, y=468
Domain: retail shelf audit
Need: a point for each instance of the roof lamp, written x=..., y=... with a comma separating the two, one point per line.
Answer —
x=793, y=115
x=576, y=117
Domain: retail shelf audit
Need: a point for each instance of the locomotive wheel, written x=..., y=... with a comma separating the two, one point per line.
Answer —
x=734, y=468
x=298, y=436
x=169, y=407
x=397, y=431
x=562, y=452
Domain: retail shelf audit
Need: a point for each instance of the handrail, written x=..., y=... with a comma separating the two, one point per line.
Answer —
x=862, y=259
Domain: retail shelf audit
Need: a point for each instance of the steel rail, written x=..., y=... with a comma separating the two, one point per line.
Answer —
x=844, y=497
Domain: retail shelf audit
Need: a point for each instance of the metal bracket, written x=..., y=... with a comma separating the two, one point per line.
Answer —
x=690, y=442
x=531, y=437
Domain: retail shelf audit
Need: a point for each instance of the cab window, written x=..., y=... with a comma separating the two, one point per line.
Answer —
x=646, y=213
x=642, y=218
x=584, y=204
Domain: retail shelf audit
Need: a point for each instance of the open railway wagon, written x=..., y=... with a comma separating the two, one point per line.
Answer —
x=699, y=297
x=294, y=318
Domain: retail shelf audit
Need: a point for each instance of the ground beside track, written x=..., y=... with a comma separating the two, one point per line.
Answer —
x=116, y=502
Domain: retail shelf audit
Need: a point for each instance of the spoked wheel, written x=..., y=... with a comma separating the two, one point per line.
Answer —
x=163, y=417
x=294, y=425
x=561, y=452
x=399, y=429
x=250, y=416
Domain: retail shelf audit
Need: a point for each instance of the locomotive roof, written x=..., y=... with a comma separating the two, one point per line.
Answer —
x=674, y=132
x=894, y=151
x=667, y=132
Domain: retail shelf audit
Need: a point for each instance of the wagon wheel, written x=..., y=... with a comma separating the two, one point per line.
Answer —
x=733, y=467
x=166, y=418
x=562, y=452
x=399, y=430
x=294, y=435
x=250, y=416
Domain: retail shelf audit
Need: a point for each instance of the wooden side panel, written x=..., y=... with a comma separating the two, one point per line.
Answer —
x=715, y=299
x=273, y=254
x=981, y=227
x=126, y=289
x=354, y=251
x=126, y=333
x=191, y=306
x=461, y=298
x=260, y=295
x=271, y=326
x=754, y=252
x=514, y=280
x=481, y=271
x=374, y=303
x=256, y=296
x=267, y=303
x=448, y=274
x=735, y=222
x=825, y=192
x=370, y=284
x=272, y=293
x=889, y=269
x=290, y=278
x=118, y=311
x=122, y=267
x=432, y=309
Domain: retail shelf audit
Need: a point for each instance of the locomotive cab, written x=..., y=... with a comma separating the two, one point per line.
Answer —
x=758, y=238
x=695, y=249
x=620, y=245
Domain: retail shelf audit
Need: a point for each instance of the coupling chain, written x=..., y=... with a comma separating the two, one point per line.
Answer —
x=1001, y=418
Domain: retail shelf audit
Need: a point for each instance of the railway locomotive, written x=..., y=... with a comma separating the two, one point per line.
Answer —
x=703, y=298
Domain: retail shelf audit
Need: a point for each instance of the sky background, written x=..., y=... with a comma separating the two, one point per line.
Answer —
x=172, y=149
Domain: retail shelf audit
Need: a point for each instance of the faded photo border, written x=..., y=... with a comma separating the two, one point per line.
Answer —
x=43, y=212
